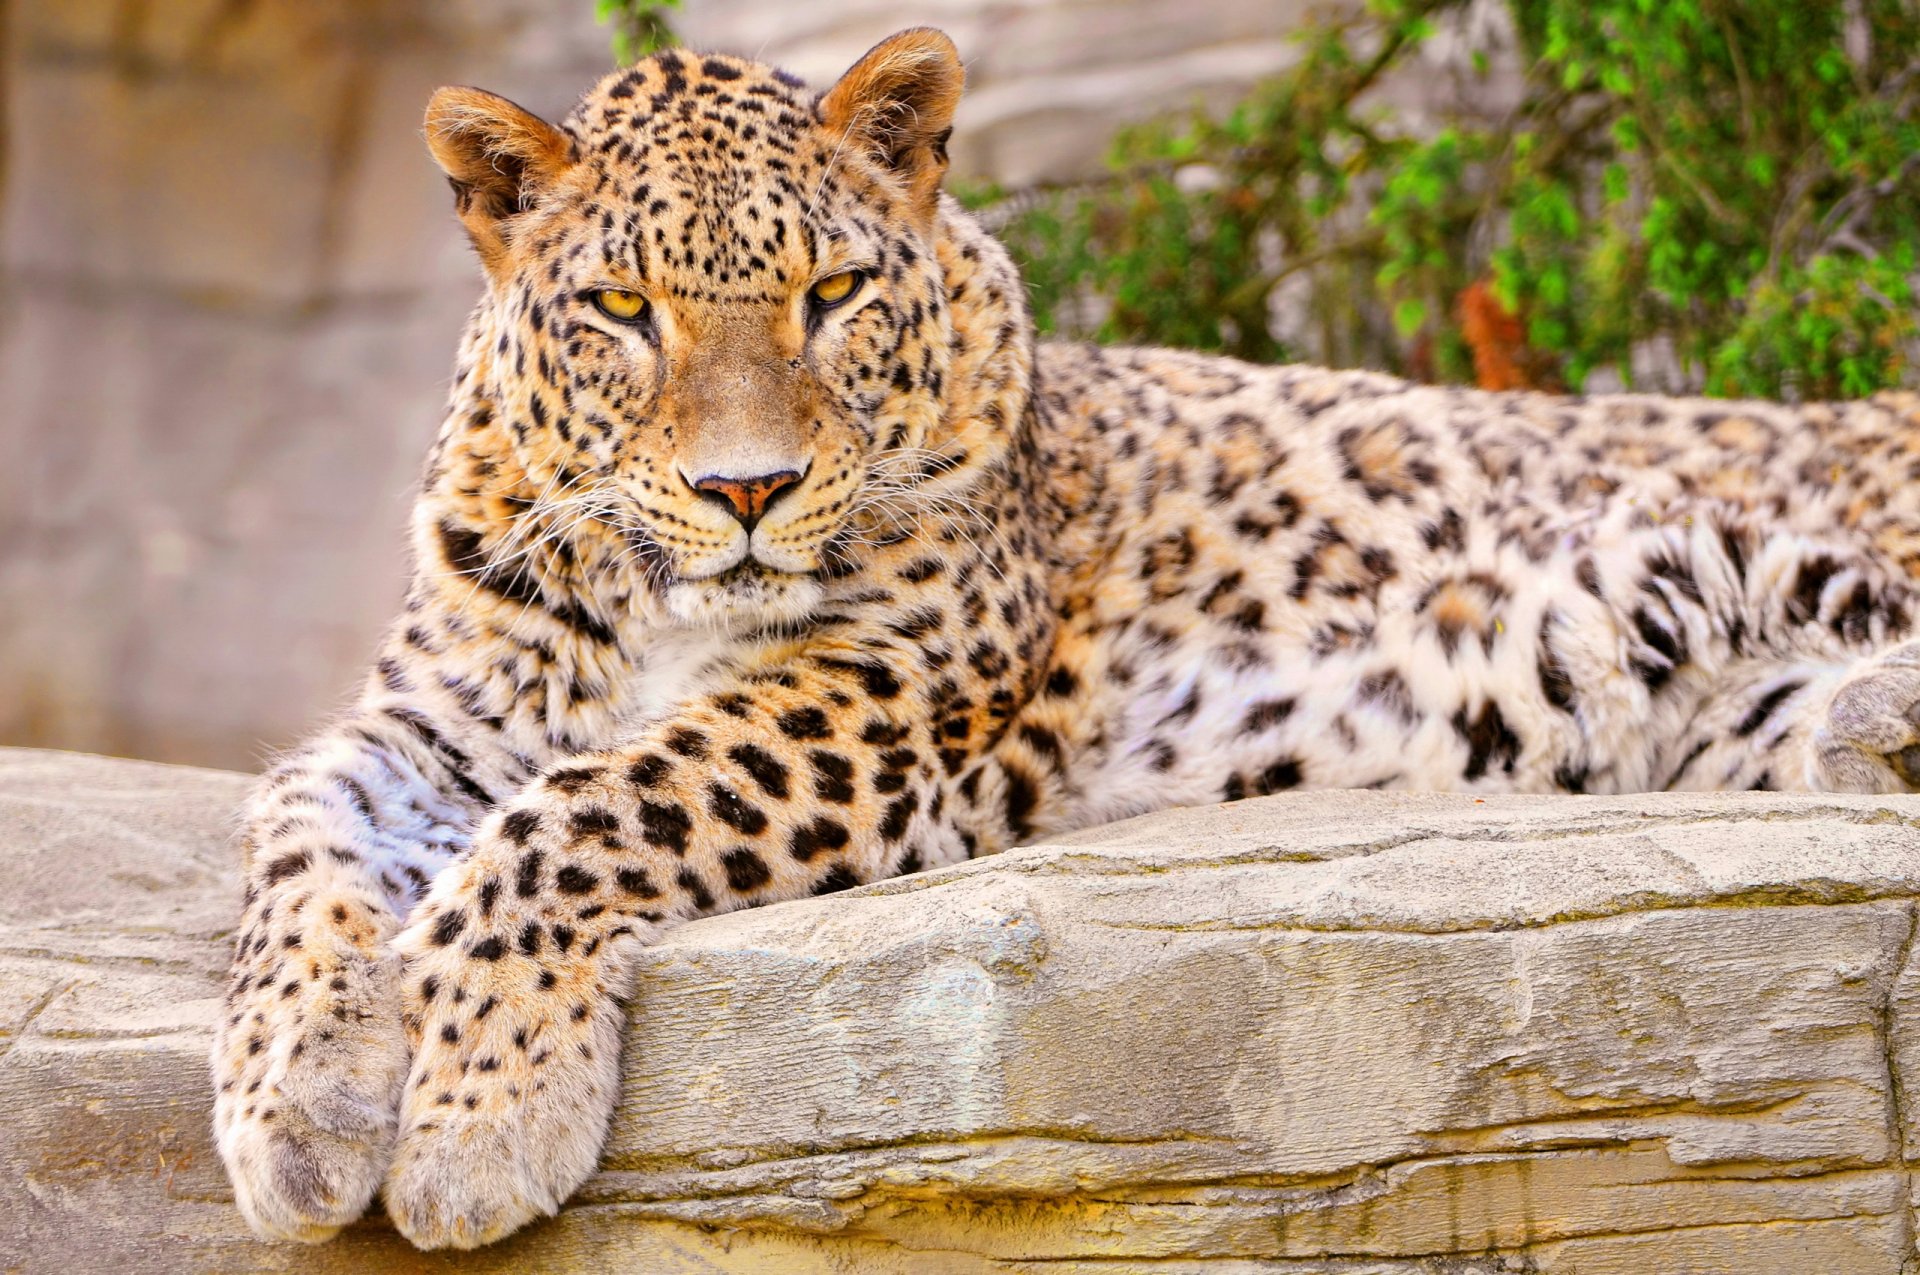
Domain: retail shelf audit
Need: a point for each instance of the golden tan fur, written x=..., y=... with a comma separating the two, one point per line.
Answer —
x=733, y=593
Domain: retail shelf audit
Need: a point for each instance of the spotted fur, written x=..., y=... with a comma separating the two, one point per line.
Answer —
x=977, y=591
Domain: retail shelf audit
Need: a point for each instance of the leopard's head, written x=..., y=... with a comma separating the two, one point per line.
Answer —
x=717, y=324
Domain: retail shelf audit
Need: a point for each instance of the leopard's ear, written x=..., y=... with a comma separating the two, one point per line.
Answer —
x=497, y=157
x=897, y=102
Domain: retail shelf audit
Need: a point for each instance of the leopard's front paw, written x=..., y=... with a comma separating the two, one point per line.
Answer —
x=1869, y=738
x=515, y=1075
x=308, y=1068
x=296, y=1181
x=461, y=1179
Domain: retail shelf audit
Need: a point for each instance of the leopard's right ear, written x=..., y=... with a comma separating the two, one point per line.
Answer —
x=498, y=159
x=897, y=103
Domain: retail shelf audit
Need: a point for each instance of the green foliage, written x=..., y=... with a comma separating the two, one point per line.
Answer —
x=1733, y=181
x=640, y=27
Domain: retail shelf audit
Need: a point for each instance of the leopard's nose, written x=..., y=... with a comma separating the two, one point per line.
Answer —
x=745, y=498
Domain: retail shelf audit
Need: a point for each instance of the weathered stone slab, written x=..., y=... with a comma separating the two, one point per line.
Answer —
x=1351, y=1032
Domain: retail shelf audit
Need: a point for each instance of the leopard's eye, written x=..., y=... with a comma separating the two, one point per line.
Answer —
x=618, y=303
x=831, y=291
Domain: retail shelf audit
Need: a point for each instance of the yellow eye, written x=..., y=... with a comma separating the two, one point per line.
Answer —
x=618, y=303
x=833, y=290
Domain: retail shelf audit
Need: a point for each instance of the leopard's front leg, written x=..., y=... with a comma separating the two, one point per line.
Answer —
x=518, y=961
x=309, y=1054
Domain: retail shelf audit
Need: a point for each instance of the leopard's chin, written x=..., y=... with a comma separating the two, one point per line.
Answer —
x=745, y=597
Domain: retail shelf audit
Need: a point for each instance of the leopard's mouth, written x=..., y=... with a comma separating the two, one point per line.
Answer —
x=748, y=593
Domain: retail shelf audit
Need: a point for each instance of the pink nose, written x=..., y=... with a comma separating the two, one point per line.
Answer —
x=746, y=498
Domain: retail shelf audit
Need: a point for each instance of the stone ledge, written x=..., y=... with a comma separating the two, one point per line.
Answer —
x=1330, y=1032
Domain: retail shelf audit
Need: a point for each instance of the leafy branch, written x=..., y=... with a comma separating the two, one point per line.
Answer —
x=640, y=27
x=1733, y=183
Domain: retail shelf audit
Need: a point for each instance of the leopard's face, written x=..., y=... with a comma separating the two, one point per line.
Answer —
x=723, y=334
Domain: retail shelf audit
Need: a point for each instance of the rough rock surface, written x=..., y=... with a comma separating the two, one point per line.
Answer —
x=1338, y=1032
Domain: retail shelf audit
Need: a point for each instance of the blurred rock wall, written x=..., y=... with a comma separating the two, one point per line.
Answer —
x=230, y=285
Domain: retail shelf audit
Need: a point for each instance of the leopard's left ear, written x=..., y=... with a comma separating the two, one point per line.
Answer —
x=498, y=158
x=898, y=103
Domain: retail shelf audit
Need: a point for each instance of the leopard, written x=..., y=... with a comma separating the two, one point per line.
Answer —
x=766, y=552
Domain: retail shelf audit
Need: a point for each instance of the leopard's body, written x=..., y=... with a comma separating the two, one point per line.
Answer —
x=1005, y=590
